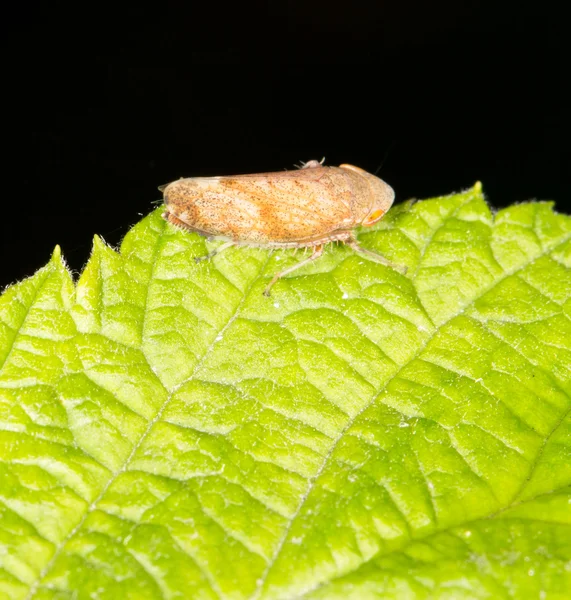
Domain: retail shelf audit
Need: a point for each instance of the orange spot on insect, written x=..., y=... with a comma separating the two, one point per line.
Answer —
x=375, y=216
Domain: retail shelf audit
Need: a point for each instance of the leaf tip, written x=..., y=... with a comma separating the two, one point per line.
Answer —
x=58, y=263
x=56, y=254
x=57, y=260
x=98, y=242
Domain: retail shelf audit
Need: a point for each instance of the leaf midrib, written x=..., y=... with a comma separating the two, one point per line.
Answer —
x=313, y=480
x=93, y=506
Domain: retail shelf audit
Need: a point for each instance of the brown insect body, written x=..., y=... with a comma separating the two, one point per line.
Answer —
x=286, y=209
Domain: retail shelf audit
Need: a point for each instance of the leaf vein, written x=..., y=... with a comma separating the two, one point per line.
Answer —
x=59, y=549
x=314, y=479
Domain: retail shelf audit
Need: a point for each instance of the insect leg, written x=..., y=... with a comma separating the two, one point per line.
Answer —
x=317, y=252
x=353, y=243
x=214, y=252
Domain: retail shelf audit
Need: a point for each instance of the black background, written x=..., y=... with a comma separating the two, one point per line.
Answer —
x=107, y=103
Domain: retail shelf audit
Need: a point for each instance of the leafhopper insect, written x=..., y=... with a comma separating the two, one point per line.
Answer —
x=309, y=207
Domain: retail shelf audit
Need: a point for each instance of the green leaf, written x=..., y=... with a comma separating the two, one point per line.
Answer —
x=166, y=431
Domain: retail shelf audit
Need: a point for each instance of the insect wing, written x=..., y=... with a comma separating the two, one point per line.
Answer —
x=270, y=207
x=300, y=203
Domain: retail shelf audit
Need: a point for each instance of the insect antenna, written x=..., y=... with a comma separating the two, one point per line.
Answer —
x=386, y=155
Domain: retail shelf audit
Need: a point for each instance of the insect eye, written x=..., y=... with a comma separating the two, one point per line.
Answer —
x=373, y=217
